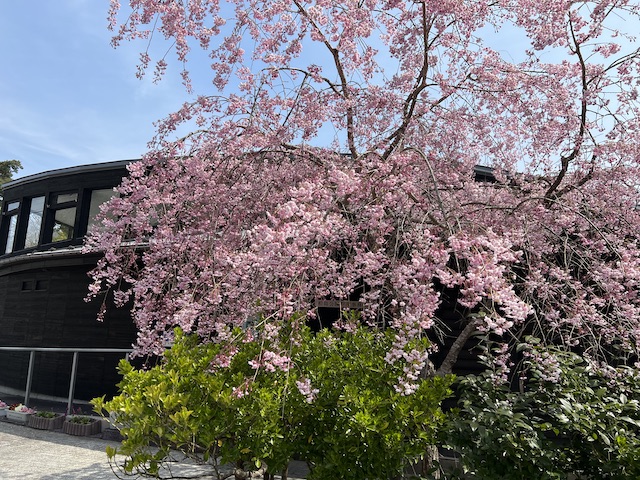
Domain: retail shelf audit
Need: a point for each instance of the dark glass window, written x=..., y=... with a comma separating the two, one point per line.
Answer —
x=63, y=224
x=34, y=226
x=66, y=197
x=12, y=213
x=34, y=285
x=98, y=197
x=63, y=216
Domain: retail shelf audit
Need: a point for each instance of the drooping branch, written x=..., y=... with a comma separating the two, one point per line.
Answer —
x=566, y=160
x=454, y=351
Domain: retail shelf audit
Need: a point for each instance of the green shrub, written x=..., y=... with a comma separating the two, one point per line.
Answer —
x=336, y=407
x=360, y=426
x=582, y=421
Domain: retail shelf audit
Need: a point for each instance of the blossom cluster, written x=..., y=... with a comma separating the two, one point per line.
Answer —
x=271, y=361
x=248, y=217
x=307, y=390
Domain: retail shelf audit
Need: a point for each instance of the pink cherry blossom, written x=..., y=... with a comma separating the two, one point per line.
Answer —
x=306, y=389
x=333, y=157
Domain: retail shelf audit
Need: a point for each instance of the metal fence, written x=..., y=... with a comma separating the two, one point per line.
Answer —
x=74, y=365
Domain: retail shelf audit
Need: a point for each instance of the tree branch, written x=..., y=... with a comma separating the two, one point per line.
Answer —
x=452, y=355
x=565, y=160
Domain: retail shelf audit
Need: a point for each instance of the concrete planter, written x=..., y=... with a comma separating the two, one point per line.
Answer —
x=44, y=423
x=82, y=429
x=18, y=417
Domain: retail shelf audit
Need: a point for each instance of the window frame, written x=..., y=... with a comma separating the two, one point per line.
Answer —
x=64, y=188
x=52, y=207
x=26, y=221
x=86, y=214
x=8, y=214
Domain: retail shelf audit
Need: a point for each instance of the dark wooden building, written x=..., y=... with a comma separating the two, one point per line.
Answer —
x=44, y=281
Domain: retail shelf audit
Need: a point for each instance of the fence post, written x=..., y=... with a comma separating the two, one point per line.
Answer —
x=72, y=382
x=27, y=388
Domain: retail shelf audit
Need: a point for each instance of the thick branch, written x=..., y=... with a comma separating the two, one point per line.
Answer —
x=452, y=356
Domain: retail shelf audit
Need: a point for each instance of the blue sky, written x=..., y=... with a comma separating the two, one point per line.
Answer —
x=66, y=96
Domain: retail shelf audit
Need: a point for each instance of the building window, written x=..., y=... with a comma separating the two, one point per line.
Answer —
x=63, y=224
x=66, y=198
x=63, y=208
x=98, y=197
x=34, y=226
x=12, y=213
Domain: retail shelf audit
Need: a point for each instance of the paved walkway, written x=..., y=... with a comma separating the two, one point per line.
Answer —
x=29, y=454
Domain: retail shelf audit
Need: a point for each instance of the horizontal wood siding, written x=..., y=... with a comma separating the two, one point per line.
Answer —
x=58, y=316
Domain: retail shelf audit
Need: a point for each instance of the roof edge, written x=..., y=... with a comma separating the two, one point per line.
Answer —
x=93, y=167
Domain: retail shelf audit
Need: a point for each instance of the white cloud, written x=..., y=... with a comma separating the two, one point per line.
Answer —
x=66, y=96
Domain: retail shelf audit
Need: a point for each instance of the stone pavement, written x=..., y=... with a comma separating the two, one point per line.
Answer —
x=29, y=454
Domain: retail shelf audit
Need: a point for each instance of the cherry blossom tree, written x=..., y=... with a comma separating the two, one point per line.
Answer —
x=335, y=156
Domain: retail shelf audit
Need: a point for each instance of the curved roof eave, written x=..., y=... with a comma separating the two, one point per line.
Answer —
x=94, y=167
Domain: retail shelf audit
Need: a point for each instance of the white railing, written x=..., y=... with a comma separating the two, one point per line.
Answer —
x=74, y=365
